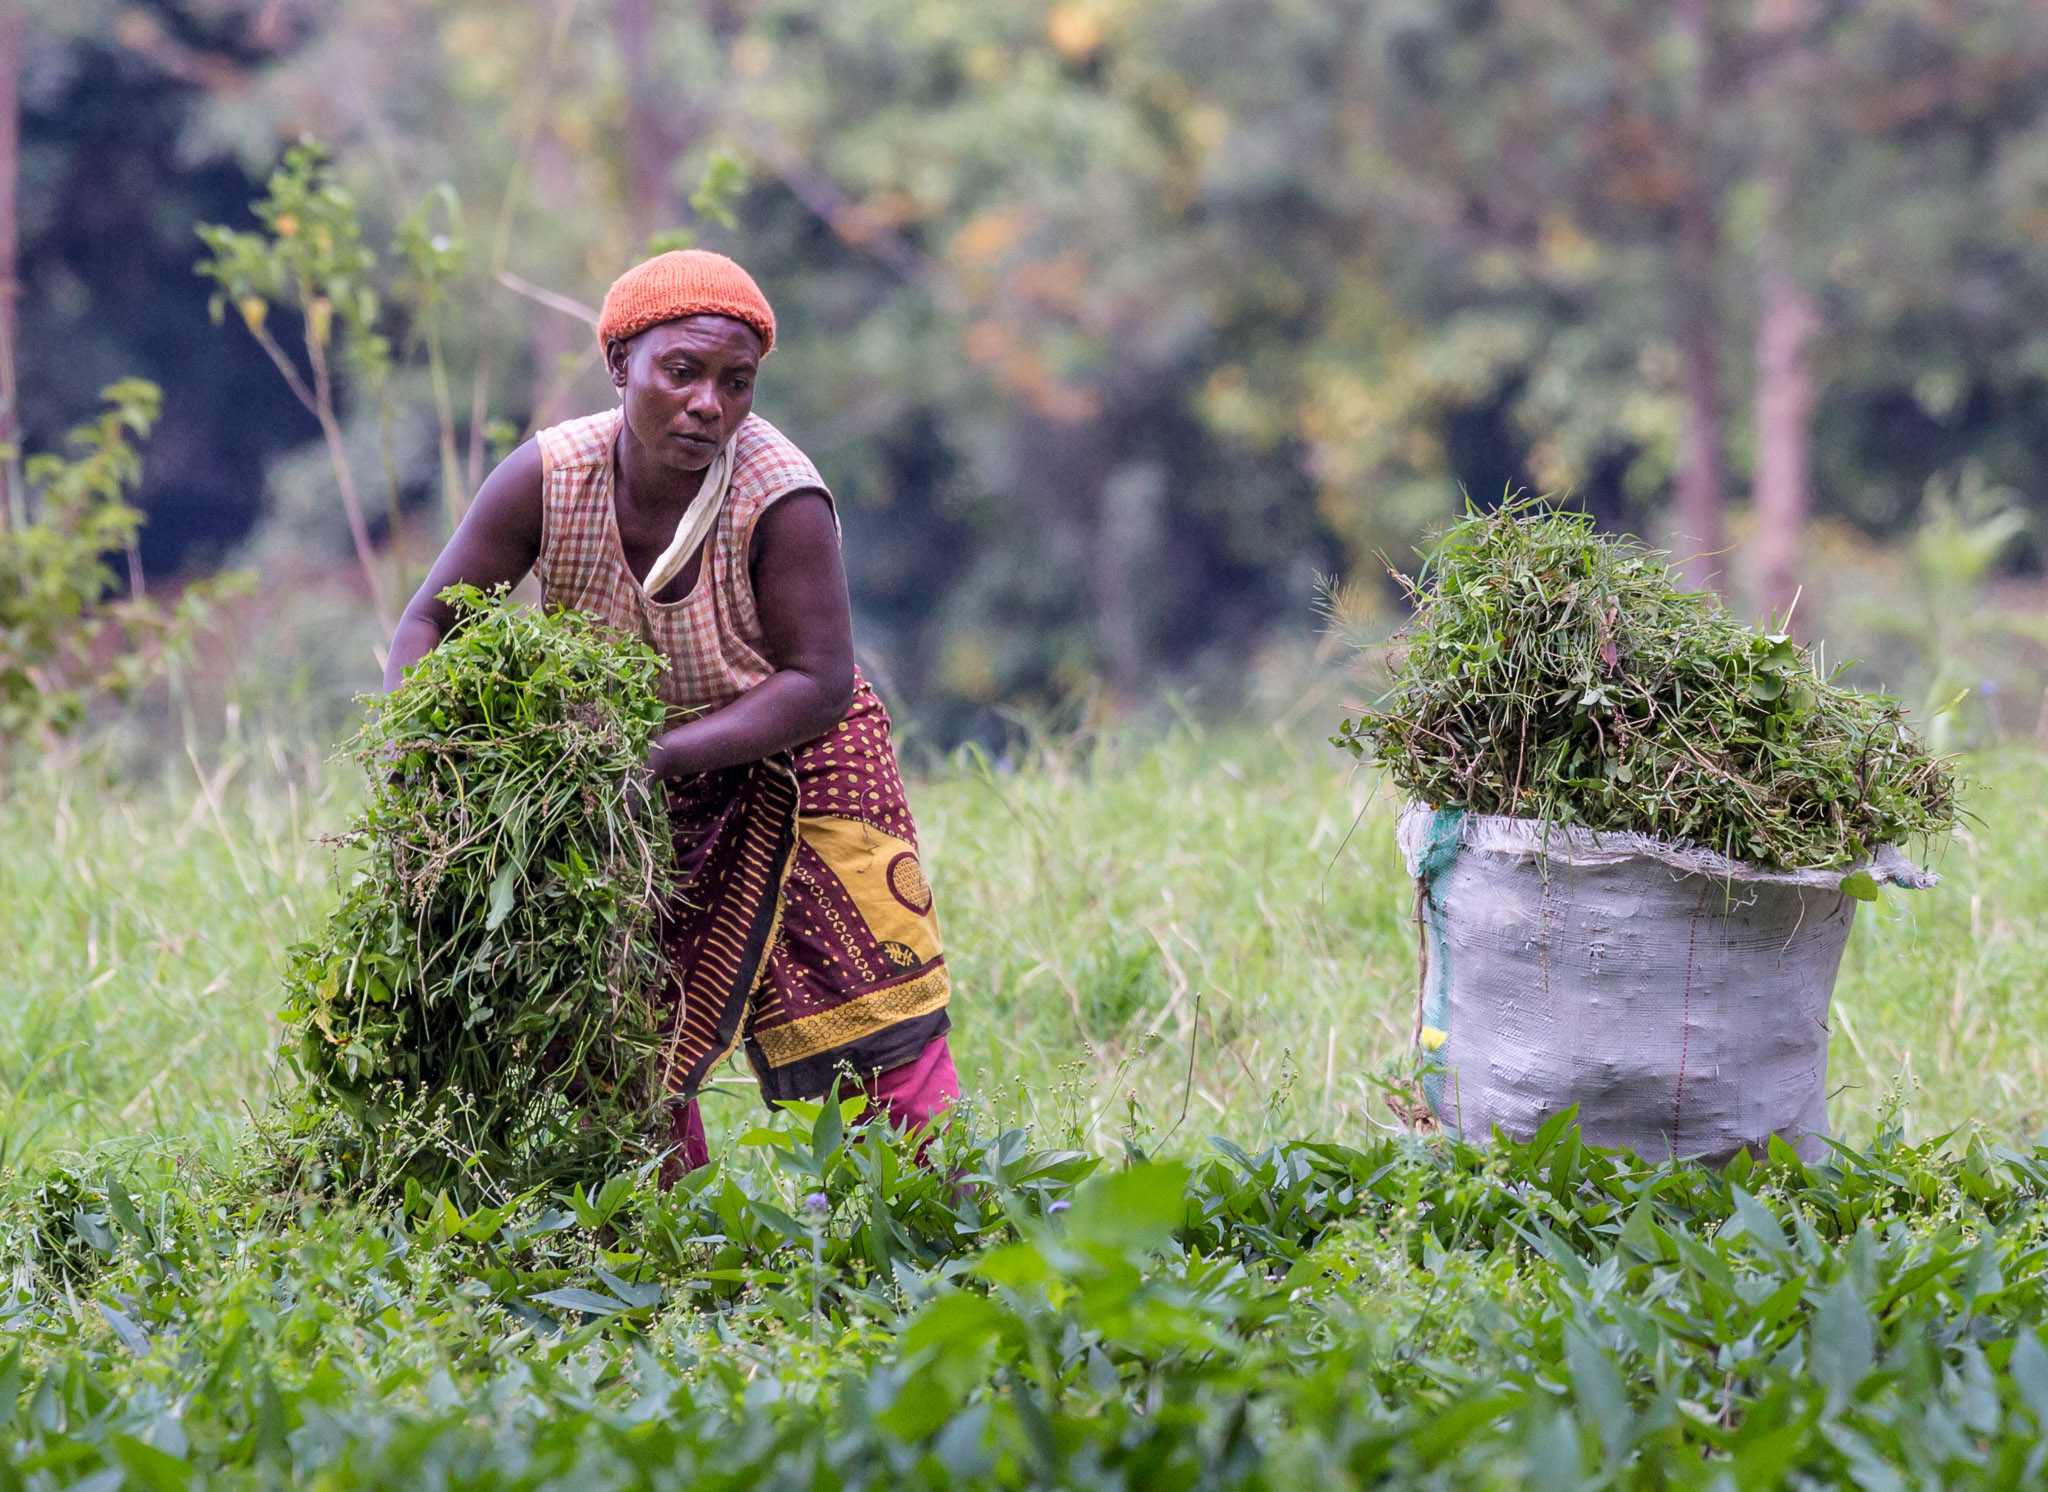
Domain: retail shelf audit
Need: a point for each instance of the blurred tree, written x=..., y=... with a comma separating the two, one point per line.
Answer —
x=107, y=197
x=23, y=23
x=309, y=256
x=12, y=508
x=1112, y=320
x=982, y=225
x=67, y=634
x=1606, y=198
x=1555, y=172
x=1035, y=174
x=1891, y=144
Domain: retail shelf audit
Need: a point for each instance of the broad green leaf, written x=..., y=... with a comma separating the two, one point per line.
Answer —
x=94, y=1230
x=1756, y=1222
x=587, y=1301
x=2028, y=1366
x=1132, y=1210
x=149, y=1467
x=1597, y=1386
x=123, y=1208
x=639, y=1297
x=826, y=1133
x=503, y=894
x=1016, y=1265
x=133, y=1337
x=1841, y=1345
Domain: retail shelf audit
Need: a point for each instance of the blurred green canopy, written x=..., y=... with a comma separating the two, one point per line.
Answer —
x=1116, y=323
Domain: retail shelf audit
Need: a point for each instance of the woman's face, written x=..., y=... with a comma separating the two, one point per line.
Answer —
x=687, y=386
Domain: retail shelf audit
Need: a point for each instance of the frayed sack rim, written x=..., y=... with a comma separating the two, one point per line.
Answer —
x=1574, y=844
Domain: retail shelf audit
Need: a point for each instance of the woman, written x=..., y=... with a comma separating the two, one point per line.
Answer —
x=805, y=927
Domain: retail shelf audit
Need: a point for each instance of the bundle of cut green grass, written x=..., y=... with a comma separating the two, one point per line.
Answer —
x=1554, y=672
x=477, y=1011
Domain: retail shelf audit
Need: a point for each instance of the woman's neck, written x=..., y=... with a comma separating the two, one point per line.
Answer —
x=648, y=485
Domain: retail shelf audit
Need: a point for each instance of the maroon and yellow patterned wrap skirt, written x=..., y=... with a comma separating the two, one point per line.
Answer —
x=805, y=926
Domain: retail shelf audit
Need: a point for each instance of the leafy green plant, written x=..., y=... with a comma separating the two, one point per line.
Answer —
x=1390, y=1314
x=67, y=633
x=1552, y=671
x=434, y=258
x=478, y=1011
x=1957, y=641
x=722, y=185
x=310, y=257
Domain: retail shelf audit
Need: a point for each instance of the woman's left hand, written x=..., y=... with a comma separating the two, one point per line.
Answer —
x=807, y=625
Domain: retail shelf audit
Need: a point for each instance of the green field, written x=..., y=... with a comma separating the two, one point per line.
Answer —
x=1156, y=940
x=1109, y=903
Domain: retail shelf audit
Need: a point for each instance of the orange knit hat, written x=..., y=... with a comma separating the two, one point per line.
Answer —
x=683, y=282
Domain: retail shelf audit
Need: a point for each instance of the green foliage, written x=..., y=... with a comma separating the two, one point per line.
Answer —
x=478, y=1011
x=431, y=244
x=1393, y=1314
x=311, y=257
x=433, y=266
x=724, y=182
x=717, y=193
x=828, y=1313
x=1953, y=638
x=146, y=928
x=59, y=603
x=1554, y=672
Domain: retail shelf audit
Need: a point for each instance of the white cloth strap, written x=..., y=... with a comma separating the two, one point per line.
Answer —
x=698, y=521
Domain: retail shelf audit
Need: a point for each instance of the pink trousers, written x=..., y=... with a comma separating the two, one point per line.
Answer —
x=908, y=1096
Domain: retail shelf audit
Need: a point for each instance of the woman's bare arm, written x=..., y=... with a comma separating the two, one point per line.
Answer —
x=496, y=544
x=800, y=593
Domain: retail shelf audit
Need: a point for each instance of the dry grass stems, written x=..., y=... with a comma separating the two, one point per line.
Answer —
x=476, y=1012
x=1554, y=672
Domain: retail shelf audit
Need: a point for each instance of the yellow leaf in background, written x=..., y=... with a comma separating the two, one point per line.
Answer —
x=752, y=57
x=987, y=64
x=1074, y=32
x=1567, y=250
x=319, y=319
x=255, y=310
x=1206, y=127
x=574, y=127
x=989, y=234
x=968, y=664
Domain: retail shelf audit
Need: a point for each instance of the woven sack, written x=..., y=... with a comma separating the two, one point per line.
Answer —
x=1677, y=997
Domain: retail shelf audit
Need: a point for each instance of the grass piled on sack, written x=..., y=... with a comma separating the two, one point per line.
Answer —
x=477, y=1011
x=1555, y=672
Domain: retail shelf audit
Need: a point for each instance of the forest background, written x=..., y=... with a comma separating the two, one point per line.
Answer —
x=1118, y=326
x=1136, y=337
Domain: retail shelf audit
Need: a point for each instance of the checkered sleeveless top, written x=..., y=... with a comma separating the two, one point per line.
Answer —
x=711, y=639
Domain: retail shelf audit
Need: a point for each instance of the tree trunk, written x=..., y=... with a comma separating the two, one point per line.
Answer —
x=14, y=509
x=1101, y=514
x=1786, y=325
x=1702, y=475
x=1787, y=320
x=1126, y=538
x=649, y=150
x=552, y=336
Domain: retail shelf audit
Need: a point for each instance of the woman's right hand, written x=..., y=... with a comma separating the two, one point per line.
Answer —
x=496, y=544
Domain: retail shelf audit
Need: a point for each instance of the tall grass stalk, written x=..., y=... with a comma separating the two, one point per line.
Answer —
x=1107, y=901
x=142, y=929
